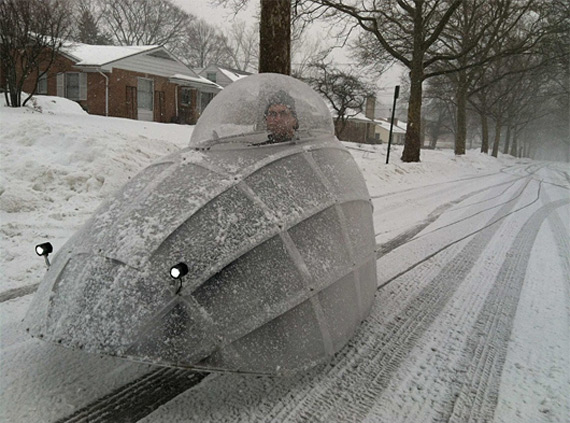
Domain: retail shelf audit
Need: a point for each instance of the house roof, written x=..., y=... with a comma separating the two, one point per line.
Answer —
x=386, y=125
x=360, y=117
x=353, y=115
x=233, y=74
x=103, y=56
x=204, y=83
x=95, y=55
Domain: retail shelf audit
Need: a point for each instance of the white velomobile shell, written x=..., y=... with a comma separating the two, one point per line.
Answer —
x=278, y=240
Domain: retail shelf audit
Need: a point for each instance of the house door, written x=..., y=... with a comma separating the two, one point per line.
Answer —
x=159, y=106
x=145, y=99
x=132, y=103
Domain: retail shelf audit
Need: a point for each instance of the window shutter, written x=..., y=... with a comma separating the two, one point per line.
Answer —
x=61, y=85
x=82, y=86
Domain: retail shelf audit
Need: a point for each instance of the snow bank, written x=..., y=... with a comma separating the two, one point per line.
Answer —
x=58, y=163
x=435, y=166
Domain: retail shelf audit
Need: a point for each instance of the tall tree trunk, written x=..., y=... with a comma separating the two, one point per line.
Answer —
x=434, y=133
x=423, y=134
x=484, y=134
x=412, y=143
x=461, y=99
x=275, y=37
x=497, y=140
x=507, y=139
x=514, y=146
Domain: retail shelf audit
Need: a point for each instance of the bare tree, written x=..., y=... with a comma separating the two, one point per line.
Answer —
x=495, y=29
x=410, y=32
x=439, y=110
x=144, y=22
x=344, y=91
x=31, y=35
x=242, y=44
x=305, y=51
x=202, y=45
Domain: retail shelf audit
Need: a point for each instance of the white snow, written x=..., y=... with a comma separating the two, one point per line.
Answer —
x=58, y=163
x=92, y=55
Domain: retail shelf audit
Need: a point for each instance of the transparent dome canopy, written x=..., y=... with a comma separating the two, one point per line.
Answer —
x=239, y=114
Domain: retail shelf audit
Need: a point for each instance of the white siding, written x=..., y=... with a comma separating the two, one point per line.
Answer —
x=221, y=78
x=145, y=63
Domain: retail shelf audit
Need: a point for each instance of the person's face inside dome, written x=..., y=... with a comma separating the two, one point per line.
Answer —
x=281, y=122
x=263, y=109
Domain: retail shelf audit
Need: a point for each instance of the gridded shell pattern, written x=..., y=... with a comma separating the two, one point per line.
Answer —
x=280, y=248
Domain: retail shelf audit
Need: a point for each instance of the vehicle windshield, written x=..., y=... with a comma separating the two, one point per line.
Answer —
x=263, y=109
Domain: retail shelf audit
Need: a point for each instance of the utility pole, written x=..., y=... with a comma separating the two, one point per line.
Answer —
x=396, y=94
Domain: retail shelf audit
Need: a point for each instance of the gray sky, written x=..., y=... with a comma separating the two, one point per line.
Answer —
x=217, y=15
x=220, y=16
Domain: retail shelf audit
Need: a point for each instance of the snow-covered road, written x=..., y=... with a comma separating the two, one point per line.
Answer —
x=470, y=323
x=449, y=337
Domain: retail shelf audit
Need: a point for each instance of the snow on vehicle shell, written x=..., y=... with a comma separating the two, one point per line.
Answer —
x=277, y=238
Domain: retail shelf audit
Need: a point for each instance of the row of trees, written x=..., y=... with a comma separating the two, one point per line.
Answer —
x=147, y=22
x=493, y=58
x=504, y=60
x=483, y=51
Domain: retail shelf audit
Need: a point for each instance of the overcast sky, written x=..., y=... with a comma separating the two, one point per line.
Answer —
x=220, y=16
x=217, y=15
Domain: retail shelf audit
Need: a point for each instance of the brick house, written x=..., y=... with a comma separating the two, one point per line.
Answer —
x=359, y=127
x=366, y=129
x=136, y=82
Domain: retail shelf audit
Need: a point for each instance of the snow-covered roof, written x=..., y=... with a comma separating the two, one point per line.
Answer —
x=98, y=55
x=178, y=78
x=233, y=74
x=352, y=115
x=228, y=75
x=397, y=129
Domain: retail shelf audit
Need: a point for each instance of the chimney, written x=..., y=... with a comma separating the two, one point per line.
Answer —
x=370, y=106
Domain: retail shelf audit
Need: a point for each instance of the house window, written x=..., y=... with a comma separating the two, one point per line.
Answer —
x=72, y=85
x=211, y=76
x=145, y=94
x=205, y=99
x=42, y=85
x=186, y=96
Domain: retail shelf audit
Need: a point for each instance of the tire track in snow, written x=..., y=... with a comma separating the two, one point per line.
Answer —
x=18, y=292
x=409, y=234
x=137, y=399
x=507, y=170
x=499, y=216
x=515, y=197
x=488, y=340
x=350, y=391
